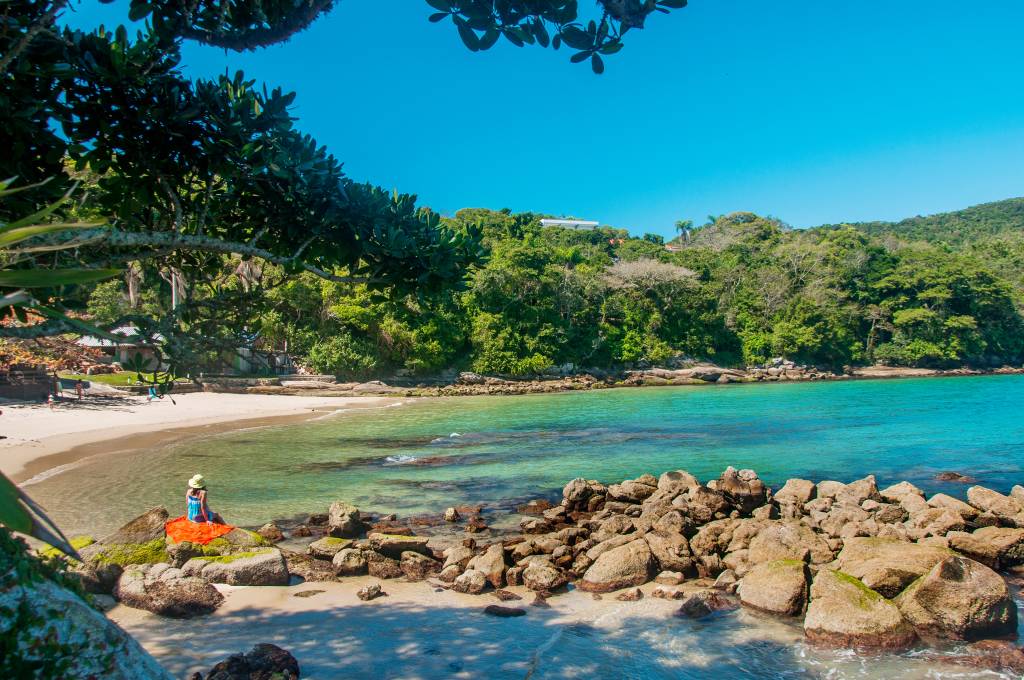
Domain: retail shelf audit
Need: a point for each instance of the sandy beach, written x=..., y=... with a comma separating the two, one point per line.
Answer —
x=40, y=439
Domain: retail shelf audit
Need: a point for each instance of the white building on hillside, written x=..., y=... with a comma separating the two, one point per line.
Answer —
x=570, y=224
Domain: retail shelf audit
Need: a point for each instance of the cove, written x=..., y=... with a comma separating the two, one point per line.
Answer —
x=425, y=455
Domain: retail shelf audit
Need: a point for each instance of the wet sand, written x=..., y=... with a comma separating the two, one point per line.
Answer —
x=39, y=439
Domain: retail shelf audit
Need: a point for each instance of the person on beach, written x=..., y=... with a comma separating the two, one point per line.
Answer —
x=197, y=509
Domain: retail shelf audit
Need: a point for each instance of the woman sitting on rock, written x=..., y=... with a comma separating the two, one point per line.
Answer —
x=197, y=508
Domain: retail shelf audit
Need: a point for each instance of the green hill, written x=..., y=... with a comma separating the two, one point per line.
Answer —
x=954, y=228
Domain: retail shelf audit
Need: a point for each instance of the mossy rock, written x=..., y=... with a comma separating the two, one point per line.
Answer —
x=228, y=559
x=152, y=552
x=77, y=542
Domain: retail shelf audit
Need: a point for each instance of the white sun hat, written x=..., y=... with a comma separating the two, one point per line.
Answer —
x=197, y=482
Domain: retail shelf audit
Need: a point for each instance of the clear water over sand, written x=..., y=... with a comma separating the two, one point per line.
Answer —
x=426, y=455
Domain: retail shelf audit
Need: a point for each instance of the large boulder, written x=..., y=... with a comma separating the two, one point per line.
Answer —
x=887, y=565
x=145, y=528
x=393, y=545
x=350, y=562
x=491, y=563
x=743, y=489
x=1006, y=508
x=796, y=491
x=614, y=525
x=327, y=547
x=264, y=567
x=344, y=521
x=998, y=547
x=675, y=482
x=703, y=603
x=959, y=599
x=264, y=662
x=631, y=564
x=705, y=505
x=934, y=522
x=470, y=581
x=417, y=566
x=896, y=492
x=941, y=500
x=788, y=541
x=180, y=597
x=844, y=612
x=309, y=569
x=857, y=492
x=540, y=575
x=778, y=587
x=671, y=550
x=44, y=613
x=632, y=490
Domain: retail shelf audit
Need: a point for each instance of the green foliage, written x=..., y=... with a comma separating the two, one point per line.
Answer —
x=342, y=355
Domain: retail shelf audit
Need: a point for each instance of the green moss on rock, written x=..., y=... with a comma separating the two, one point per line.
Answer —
x=228, y=559
x=134, y=553
x=77, y=542
x=867, y=597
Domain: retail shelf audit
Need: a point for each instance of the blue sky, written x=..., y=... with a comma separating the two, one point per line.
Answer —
x=809, y=111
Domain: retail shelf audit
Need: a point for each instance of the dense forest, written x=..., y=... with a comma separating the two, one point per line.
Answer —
x=738, y=290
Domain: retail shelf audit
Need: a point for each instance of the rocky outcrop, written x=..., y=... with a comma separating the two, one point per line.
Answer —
x=167, y=591
x=44, y=613
x=959, y=599
x=704, y=603
x=350, y=562
x=491, y=563
x=344, y=521
x=887, y=565
x=631, y=564
x=264, y=567
x=393, y=545
x=843, y=612
x=778, y=587
x=327, y=547
x=263, y=662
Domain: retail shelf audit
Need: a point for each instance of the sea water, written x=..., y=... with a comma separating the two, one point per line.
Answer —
x=428, y=454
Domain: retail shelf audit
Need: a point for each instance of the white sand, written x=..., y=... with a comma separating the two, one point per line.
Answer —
x=35, y=431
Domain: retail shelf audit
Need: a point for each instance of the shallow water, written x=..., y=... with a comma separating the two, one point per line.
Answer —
x=426, y=455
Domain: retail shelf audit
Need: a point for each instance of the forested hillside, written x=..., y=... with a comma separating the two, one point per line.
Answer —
x=954, y=228
x=742, y=289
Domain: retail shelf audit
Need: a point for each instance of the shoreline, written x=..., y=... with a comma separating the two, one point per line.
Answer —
x=472, y=384
x=23, y=457
x=103, y=426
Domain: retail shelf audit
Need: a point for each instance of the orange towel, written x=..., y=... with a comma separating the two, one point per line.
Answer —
x=180, y=529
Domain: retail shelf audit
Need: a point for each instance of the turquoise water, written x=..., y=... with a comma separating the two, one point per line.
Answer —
x=423, y=456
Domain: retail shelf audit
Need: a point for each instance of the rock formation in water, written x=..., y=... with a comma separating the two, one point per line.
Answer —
x=861, y=566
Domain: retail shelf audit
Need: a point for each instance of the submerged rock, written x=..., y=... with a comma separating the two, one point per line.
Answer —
x=503, y=612
x=704, y=603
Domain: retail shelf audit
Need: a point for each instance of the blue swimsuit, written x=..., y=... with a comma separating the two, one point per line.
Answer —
x=195, y=509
